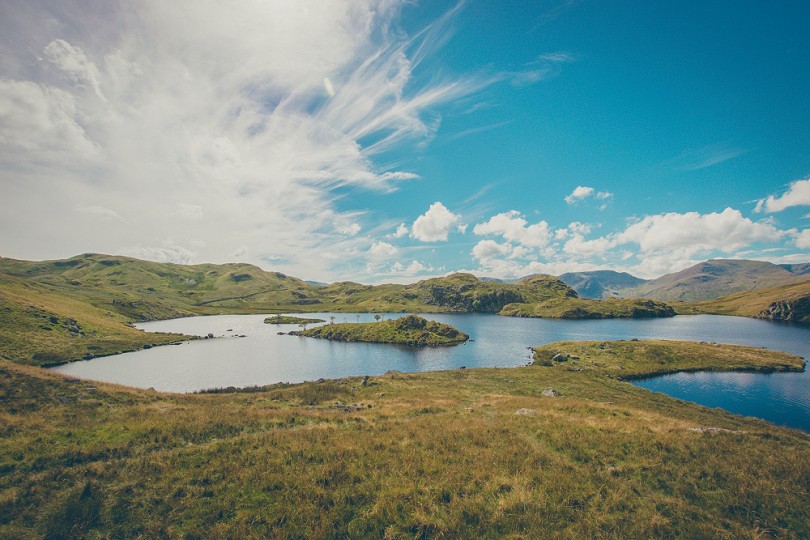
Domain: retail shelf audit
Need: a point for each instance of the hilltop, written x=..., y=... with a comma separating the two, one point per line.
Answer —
x=408, y=330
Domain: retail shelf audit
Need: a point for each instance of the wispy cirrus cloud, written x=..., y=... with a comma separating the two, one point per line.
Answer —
x=230, y=126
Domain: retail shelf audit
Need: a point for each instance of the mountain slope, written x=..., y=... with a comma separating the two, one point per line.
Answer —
x=790, y=302
x=600, y=283
x=712, y=279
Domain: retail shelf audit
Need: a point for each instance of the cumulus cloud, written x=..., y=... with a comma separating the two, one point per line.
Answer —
x=402, y=230
x=485, y=250
x=435, y=224
x=797, y=194
x=144, y=108
x=581, y=193
x=803, y=239
x=513, y=226
x=382, y=250
x=725, y=231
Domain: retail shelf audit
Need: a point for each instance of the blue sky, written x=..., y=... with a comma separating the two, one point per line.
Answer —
x=389, y=141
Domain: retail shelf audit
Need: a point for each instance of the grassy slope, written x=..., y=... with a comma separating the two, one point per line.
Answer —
x=410, y=330
x=578, y=308
x=419, y=455
x=752, y=303
x=40, y=325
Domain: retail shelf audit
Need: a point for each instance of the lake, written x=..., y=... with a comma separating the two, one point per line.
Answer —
x=264, y=357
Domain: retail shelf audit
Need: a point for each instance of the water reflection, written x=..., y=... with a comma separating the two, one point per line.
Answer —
x=264, y=357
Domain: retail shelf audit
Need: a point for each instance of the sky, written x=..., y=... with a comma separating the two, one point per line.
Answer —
x=392, y=140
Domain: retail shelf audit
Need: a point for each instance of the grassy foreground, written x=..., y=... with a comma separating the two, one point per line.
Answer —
x=464, y=453
x=408, y=330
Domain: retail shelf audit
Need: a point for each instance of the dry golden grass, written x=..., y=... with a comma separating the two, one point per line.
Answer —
x=426, y=455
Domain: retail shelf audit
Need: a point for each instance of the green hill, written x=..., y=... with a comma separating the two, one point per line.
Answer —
x=409, y=330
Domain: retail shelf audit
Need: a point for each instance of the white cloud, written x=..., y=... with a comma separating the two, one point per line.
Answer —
x=169, y=252
x=100, y=211
x=513, y=227
x=435, y=224
x=401, y=231
x=577, y=245
x=193, y=212
x=349, y=229
x=579, y=193
x=145, y=108
x=41, y=123
x=798, y=194
x=803, y=239
x=240, y=253
x=382, y=250
x=726, y=231
x=74, y=63
x=490, y=249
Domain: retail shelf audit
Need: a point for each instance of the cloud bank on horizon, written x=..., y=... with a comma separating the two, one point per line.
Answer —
x=321, y=138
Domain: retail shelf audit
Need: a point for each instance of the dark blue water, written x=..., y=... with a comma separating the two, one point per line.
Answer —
x=263, y=357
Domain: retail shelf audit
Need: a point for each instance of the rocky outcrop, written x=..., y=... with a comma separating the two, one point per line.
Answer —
x=795, y=310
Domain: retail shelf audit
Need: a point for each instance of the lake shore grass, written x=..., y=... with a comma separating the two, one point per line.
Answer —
x=463, y=453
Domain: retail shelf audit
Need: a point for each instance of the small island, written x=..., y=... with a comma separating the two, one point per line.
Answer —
x=289, y=319
x=409, y=330
x=636, y=359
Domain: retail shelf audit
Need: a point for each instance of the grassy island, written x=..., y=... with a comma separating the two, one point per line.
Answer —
x=580, y=308
x=637, y=359
x=289, y=319
x=409, y=330
x=463, y=453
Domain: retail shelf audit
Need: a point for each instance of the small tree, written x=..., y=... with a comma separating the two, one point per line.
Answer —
x=377, y=317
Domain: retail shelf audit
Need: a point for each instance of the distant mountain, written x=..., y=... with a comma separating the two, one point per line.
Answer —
x=600, y=283
x=799, y=269
x=712, y=279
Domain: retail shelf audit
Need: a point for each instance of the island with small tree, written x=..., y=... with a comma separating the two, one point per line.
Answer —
x=289, y=319
x=409, y=330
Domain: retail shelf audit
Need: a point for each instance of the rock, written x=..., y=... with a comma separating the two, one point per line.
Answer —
x=209, y=336
x=560, y=357
x=64, y=400
x=550, y=392
x=525, y=412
